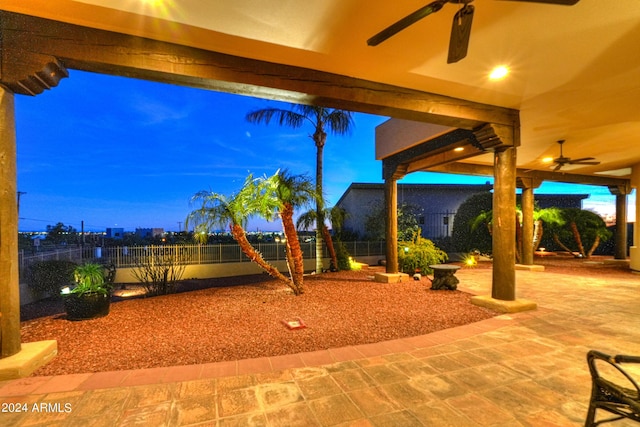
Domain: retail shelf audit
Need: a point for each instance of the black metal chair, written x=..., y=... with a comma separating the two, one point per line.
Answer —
x=621, y=400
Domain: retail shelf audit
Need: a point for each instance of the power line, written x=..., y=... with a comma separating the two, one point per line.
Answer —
x=54, y=222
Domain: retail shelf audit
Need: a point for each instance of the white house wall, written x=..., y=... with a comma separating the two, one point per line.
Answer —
x=360, y=200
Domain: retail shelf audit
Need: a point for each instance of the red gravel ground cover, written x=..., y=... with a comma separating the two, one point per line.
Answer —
x=240, y=317
x=232, y=320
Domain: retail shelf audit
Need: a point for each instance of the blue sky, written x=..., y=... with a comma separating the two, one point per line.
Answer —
x=119, y=152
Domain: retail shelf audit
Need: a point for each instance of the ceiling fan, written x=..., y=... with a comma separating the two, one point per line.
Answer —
x=562, y=160
x=460, y=30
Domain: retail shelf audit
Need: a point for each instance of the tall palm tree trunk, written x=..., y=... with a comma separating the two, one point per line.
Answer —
x=519, y=240
x=319, y=138
x=537, y=234
x=556, y=239
x=294, y=249
x=577, y=238
x=332, y=251
x=290, y=266
x=595, y=245
x=245, y=246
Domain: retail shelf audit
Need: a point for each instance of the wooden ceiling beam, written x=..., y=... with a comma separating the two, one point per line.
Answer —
x=569, y=178
x=119, y=54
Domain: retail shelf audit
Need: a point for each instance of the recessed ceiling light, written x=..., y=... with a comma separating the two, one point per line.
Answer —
x=547, y=160
x=499, y=73
x=458, y=149
x=153, y=3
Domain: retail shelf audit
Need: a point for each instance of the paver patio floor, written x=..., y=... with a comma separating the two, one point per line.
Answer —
x=523, y=369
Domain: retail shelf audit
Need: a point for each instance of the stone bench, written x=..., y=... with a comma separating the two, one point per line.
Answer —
x=444, y=277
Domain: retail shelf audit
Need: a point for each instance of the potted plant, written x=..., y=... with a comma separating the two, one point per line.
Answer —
x=90, y=296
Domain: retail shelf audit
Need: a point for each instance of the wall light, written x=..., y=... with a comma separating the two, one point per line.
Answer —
x=458, y=149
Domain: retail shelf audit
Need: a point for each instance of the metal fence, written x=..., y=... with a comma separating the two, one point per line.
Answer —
x=130, y=256
x=123, y=256
x=436, y=225
x=73, y=254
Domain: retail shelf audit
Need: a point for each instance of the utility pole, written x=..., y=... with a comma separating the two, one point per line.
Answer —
x=179, y=226
x=20, y=194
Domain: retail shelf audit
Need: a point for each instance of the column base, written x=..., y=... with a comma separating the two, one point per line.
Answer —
x=616, y=261
x=634, y=256
x=32, y=356
x=503, y=306
x=530, y=267
x=391, y=277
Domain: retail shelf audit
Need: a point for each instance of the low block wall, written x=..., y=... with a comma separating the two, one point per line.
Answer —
x=204, y=271
x=227, y=269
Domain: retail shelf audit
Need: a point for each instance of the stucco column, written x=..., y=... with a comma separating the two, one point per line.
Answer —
x=634, y=251
x=504, y=222
x=527, y=185
x=621, y=220
x=391, y=224
x=9, y=281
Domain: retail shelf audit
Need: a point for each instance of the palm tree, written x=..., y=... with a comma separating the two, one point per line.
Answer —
x=336, y=217
x=338, y=122
x=540, y=215
x=544, y=216
x=582, y=226
x=217, y=210
x=287, y=192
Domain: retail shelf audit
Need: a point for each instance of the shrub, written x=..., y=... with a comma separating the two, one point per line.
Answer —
x=581, y=231
x=50, y=276
x=91, y=278
x=342, y=255
x=418, y=254
x=407, y=221
x=159, y=271
x=464, y=237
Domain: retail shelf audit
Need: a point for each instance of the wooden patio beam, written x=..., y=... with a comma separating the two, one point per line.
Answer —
x=119, y=54
x=485, y=170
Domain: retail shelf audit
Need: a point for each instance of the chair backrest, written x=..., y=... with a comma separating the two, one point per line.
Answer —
x=594, y=356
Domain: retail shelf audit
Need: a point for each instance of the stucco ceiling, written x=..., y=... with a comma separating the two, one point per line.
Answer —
x=575, y=70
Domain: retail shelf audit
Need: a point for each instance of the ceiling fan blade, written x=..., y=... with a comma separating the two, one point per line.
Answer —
x=460, y=33
x=558, y=2
x=583, y=163
x=406, y=21
x=581, y=159
x=558, y=166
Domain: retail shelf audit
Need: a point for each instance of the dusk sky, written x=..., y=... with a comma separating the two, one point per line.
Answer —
x=119, y=152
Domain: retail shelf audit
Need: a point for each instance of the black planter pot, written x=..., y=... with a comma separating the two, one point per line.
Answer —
x=86, y=306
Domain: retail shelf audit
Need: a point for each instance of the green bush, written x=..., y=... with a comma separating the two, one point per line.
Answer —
x=50, y=276
x=418, y=254
x=581, y=231
x=465, y=238
x=90, y=278
x=342, y=255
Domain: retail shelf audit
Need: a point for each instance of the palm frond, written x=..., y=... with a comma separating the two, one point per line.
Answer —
x=283, y=117
x=337, y=216
x=340, y=122
x=549, y=215
x=485, y=217
x=298, y=190
x=306, y=220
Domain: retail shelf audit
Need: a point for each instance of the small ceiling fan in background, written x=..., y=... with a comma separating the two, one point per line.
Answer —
x=562, y=160
x=460, y=29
